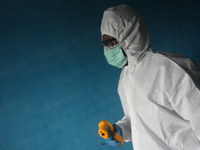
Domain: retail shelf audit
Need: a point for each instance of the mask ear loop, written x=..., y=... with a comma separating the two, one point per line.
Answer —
x=125, y=54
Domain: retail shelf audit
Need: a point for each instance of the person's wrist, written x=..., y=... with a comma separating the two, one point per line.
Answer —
x=117, y=129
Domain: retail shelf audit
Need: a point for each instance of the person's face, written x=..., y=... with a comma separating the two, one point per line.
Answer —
x=113, y=42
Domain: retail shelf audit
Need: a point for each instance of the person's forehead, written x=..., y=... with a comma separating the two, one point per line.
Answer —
x=107, y=37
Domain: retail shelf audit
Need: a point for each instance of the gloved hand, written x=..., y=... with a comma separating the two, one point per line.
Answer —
x=111, y=142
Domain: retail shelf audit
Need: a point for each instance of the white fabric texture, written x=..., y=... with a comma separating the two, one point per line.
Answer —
x=158, y=91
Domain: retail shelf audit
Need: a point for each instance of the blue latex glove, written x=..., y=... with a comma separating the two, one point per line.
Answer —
x=111, y=142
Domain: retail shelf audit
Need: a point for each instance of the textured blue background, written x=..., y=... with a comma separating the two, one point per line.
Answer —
x=55, y=84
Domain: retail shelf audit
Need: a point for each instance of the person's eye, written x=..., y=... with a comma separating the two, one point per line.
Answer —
x=108, y=42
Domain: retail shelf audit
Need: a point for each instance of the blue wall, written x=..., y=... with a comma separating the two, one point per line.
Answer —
x=55, y=84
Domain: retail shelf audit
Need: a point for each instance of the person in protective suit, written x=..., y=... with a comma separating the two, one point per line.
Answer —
x=159, y=91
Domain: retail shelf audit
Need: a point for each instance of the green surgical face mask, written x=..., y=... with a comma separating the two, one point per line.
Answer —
x=115, y=56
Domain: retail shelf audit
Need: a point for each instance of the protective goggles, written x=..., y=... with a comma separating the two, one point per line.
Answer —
x=110, y=43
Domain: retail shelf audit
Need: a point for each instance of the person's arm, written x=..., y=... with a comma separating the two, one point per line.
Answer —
x=124, y=124
x=186, y=102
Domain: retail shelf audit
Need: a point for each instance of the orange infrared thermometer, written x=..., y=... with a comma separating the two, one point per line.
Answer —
x=107, y=130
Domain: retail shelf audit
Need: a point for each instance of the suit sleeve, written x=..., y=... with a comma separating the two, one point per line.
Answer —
x=126, y=128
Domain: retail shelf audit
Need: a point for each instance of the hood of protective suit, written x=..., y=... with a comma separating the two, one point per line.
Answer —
x=126, y=26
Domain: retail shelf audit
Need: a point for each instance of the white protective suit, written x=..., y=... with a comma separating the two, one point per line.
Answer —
x=158, y=91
